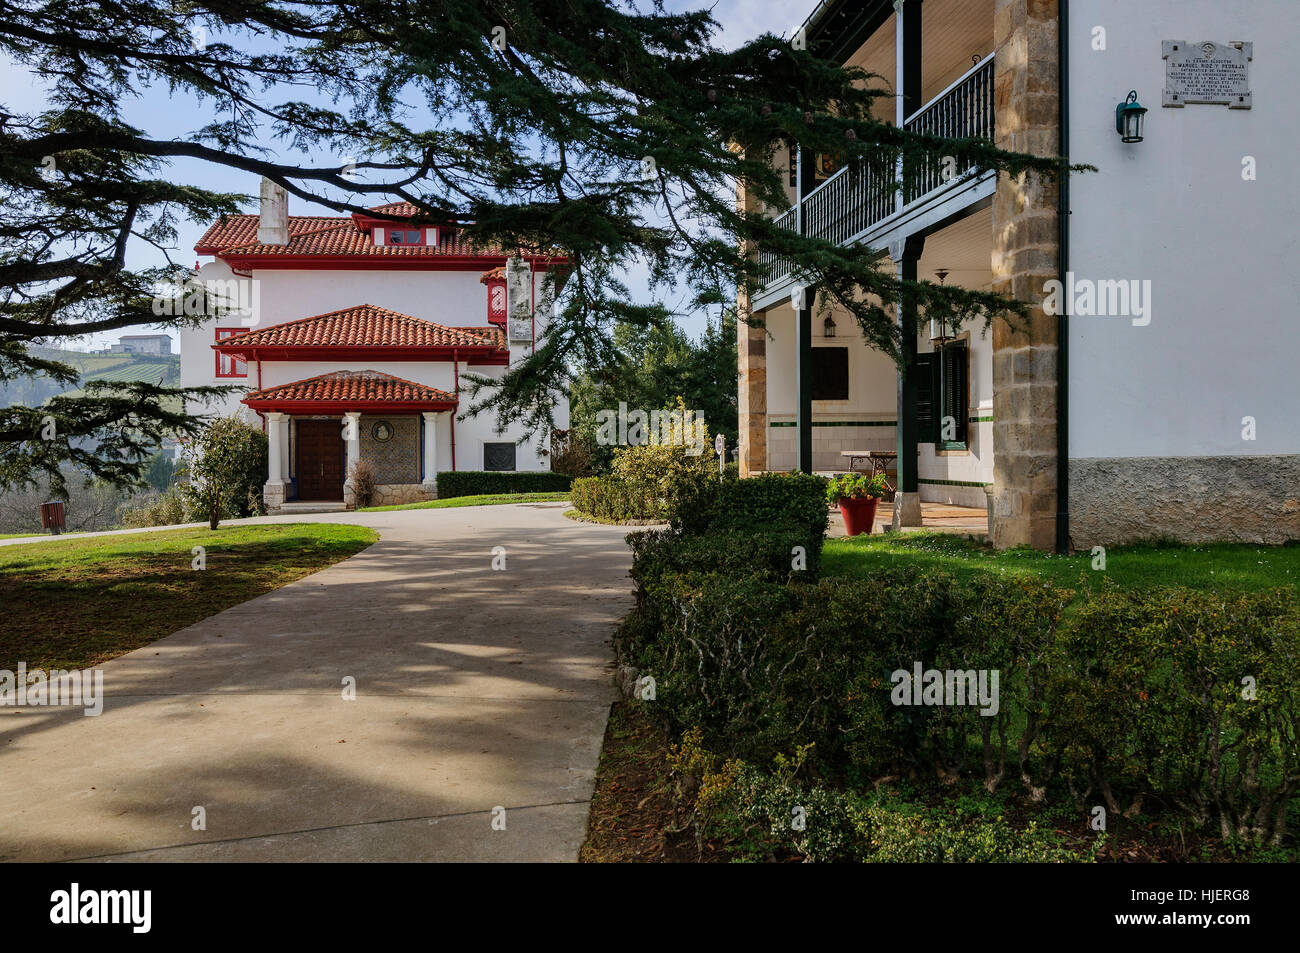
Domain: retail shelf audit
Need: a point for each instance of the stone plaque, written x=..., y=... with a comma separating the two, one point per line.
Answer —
x=520, y=330
x=1207, y=72
x=519, y=300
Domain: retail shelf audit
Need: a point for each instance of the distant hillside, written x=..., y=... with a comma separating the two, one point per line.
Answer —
x=34, y=391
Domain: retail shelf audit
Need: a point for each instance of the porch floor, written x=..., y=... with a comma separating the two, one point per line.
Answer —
x=935, y=517
x=311, y=506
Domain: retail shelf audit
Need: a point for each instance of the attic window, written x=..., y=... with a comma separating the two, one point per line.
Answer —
x=405, y=236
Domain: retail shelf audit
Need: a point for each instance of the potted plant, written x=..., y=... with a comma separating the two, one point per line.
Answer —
x=857, y=496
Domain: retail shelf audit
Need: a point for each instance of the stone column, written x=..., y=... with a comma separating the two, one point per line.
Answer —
x=352, y=436
x=751, y=367
x=907, y=493
x=1026, y=254
x=431, y=454
x=273, y=492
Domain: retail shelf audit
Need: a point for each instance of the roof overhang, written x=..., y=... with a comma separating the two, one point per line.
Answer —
x=382, y=262
x=307, y=407
x=468, y=354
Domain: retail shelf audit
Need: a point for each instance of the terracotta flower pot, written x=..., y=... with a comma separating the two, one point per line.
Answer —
x=859, y=514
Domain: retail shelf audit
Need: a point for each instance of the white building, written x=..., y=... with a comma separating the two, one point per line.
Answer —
x=1165, y=403
x=347, y=336
x=155, y=345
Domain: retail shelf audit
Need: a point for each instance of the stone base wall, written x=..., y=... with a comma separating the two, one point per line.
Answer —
x=1190, y=499
x=393, y=494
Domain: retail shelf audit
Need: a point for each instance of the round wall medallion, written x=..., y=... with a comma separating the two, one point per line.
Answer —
x=382, y=430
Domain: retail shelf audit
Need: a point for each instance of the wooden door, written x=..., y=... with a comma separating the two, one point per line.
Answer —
x=319, y=460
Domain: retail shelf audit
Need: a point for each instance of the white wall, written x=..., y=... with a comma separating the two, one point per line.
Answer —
x=1220, y=252
x=452, y=298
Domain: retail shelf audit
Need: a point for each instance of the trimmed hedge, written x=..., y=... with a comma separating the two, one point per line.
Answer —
x=1130, y=695
x=609, y=498
x=796, y=500
x=478, y=482
x=1185, y=696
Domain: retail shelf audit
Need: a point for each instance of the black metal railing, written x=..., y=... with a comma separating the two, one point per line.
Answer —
x=859, y=196
x=963, y=111
x=775, y=266
x=849, y=202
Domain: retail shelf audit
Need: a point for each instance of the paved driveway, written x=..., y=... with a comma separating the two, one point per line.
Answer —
x=476, y=690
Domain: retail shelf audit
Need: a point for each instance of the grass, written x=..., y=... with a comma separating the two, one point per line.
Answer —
x=89, y=600
x=484, y=499
x=1217, y=568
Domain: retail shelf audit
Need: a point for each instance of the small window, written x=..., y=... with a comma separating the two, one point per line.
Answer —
x=228, y=366
x=498, y=456
x=830, y=373
x=405, y=236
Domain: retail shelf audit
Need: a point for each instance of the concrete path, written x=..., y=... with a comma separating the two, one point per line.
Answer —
x=475, y=690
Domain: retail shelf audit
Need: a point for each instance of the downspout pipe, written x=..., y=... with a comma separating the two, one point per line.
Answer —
x=455, y=389
x=1062, y=319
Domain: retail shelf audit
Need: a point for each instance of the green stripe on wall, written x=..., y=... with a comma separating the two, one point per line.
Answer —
x=860, y=423
x=838, y=423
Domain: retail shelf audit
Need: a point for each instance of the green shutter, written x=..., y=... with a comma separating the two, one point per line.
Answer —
x=955, y=401
x=927, y=389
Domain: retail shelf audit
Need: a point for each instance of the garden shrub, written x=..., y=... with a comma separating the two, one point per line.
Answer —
x=485, y=482
x=226, y=470
x=769, y=551
x=764, y=815
x=1182, y=699
x=156, y=509
x=613, y=499
x=762, y=667
x=364, y=484
x=1186, y=697
x=772, y=499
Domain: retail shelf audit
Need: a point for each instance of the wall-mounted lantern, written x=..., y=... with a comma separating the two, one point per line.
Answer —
x=828, y=327
x=940, y=333
x=1128, y=118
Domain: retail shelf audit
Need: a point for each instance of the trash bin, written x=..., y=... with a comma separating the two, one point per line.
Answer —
x=52, y=517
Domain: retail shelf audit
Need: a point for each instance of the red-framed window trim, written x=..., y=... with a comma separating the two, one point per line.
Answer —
x=496, y=316
x=238, y=367
x=428, y=235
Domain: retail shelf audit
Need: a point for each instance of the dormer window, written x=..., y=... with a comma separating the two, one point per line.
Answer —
x=405, y=236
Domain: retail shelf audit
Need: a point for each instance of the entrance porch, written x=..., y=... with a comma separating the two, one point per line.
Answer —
x=322, y=429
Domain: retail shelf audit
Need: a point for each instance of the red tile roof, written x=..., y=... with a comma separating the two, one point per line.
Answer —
x=318, y=235
x=404, y=209
x=357, y=387
x=493, y=274
x=366, y=325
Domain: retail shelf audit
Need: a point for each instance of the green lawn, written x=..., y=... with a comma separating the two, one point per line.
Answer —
x=1223, y=567
x=81, y=601
x=485, y=499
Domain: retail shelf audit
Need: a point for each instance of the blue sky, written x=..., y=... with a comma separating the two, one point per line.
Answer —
x=161, y=116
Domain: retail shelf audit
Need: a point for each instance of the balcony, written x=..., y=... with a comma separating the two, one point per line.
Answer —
x=859, y=199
